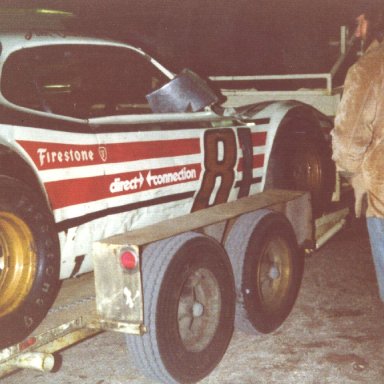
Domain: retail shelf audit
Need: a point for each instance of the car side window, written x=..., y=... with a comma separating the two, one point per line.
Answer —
x=81, y=81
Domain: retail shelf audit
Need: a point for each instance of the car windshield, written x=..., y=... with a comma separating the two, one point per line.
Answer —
x=81, y=81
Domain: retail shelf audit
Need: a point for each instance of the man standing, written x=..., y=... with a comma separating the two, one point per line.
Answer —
x=358, y=136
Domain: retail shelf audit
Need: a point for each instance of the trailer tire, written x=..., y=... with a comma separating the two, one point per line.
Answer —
x=268, y=268
x=189, y=306
x=29, y=260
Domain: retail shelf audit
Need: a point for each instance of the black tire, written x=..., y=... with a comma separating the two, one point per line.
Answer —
x=29, y=261
x=268, y=268
x=189, y=306
x=299, y=162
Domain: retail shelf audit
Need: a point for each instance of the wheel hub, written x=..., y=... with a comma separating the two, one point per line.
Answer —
x=17, y=261
x=274, y=273
x=307, y=171
x=199, y=310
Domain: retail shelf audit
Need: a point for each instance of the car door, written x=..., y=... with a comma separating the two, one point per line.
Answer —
x=162, y=165
x=152, y=162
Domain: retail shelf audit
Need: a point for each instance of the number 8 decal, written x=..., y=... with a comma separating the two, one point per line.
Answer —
x=220, y=156
x=219, y=161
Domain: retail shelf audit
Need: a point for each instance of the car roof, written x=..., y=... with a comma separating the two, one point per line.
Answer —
x=28, y=27
x=13, y=41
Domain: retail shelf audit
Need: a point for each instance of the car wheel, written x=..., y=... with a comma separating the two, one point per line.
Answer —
x=303, y=164
x=189, y=306
x=29, y=261
x=268, y=269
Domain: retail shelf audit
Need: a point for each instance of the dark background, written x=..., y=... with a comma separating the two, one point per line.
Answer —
x=213, y=37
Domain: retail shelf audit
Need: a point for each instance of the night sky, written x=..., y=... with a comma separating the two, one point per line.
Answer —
x=217, y=36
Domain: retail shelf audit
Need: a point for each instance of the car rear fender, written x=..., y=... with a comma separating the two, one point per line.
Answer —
x=13, y=165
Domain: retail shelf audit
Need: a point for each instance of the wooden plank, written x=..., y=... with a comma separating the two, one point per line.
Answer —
x=204, y=217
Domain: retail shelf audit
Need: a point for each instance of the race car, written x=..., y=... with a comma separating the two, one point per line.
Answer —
x=98, y=138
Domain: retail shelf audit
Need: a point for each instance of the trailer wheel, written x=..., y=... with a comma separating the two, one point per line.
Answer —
x=189, y=306
x=29, y=261
x=268, y=269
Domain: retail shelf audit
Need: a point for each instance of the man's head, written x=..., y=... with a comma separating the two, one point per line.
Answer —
x=361, y=30
x=370, y=24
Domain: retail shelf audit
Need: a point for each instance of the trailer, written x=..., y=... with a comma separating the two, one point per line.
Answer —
x=200, y=216
x=274, y=228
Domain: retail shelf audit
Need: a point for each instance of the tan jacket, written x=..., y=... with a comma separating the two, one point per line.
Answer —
x=358, y=136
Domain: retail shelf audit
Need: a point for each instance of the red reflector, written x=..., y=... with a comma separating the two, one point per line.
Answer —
x=27, y=343
x=128, y=259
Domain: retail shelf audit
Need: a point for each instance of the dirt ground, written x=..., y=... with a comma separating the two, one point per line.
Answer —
x=334, y=334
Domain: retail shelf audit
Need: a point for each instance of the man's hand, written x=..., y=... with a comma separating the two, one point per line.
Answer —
x=359, y=188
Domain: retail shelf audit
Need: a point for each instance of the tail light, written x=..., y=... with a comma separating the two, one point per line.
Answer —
x=129, y=258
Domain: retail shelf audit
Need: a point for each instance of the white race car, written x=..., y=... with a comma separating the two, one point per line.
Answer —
x=98, y=138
